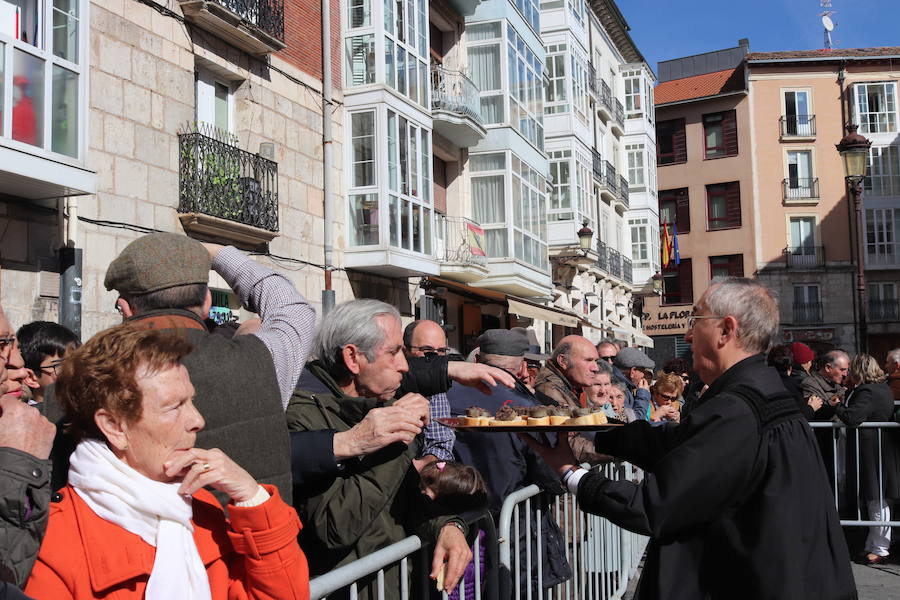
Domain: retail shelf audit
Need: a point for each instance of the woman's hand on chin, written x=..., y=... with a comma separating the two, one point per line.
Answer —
x=199, y=468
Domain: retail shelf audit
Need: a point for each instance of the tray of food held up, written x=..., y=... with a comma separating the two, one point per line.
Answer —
x=531, y=418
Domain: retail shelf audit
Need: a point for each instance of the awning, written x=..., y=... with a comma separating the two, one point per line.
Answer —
x=624, y=334
x=643, y=340
x=524, y=308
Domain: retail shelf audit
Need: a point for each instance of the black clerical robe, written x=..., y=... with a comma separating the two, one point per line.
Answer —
x=735, y=498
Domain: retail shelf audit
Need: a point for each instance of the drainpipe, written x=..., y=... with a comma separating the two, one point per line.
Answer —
x=70, y=283
x=328, y=292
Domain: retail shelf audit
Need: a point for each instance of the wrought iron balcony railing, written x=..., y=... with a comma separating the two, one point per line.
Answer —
x=265, y=15
x=219, y=179
x=883, y=310
x=800, y=188
x=804, y=257
x=808, y=312
x=593, y=81
x=627, y=270
x=798, y=125
x=615, y=263
x=623, y=190
x=610, y=175
x=461, y=240
x=619, y=113
x=598, y=165
x=606, y=96
x=454, y=92
x=603, y=256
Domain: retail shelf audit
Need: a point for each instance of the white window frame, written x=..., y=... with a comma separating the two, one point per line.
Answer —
x=44, y=51
x=871, y=121
x=884, y=171
x=634, y=154
x=557, y=67
x=640, y=225
x=206, y=82
x=630, y=79
x=804, y=128
x=882, y=248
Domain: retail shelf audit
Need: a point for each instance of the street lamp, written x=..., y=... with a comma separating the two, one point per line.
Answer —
x=585, y=237
x=854, y=151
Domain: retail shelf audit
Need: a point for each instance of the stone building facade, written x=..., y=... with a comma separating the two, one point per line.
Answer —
x=247, y=92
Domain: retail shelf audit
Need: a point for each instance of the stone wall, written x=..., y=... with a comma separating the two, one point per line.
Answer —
x=141, y=94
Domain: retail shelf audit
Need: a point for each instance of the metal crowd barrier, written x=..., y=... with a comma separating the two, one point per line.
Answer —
x=602, y=556
x=843, y=466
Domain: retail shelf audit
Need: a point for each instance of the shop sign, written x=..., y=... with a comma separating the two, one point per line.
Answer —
x=659, y=321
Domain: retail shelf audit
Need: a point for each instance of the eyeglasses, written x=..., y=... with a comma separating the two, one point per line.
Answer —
x=667, y=397
x=52, y=368
x=607, y=358
x=7, y=343
x=431, y=352
x=692, y=320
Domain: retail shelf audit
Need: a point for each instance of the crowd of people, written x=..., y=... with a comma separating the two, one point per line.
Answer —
x=169, y=458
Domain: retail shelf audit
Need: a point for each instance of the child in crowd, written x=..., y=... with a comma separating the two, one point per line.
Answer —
x=456, y=486
x=44, y=345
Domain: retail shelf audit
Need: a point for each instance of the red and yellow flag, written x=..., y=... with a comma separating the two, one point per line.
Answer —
x=666, y=249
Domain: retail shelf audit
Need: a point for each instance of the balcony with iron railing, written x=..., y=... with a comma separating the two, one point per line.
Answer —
x=884, y=254
x=255, y=26
x=618, y=122
x=593, y=80
x=883, y=309
x=623, y=191
x=460, y=249
x=800, y=190
x=605, y=101
x=804, y=257
x=608, y=182
x=456, y=107
x=603, y=256
x=615, y=263
x=627, y=270
x=797, y=126
x=808, y=313
x=598, y=165
x=226, y=192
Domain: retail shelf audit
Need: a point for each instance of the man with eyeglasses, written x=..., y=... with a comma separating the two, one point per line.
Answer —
x=734, y=498
x=427, y=339
x=26, y=438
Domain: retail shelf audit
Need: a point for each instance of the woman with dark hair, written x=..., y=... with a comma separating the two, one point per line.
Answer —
x=134, y=521
x=879, y=472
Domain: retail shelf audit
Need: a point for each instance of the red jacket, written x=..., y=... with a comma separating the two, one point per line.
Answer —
x=252, y=555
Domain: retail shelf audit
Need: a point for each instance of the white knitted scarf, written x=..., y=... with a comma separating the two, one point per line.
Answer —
x=151, y=509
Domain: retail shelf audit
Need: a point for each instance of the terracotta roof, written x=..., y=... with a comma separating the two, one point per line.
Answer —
x=827, y=53
x=700, y=86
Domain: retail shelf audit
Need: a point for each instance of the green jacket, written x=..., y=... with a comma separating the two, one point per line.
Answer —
x=24, y=507
x=374, y=501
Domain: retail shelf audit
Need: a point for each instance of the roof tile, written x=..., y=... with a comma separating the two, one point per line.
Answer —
x=700, y=86
x=827, y=53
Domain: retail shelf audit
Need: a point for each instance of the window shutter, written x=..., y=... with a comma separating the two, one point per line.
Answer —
x=682, y=210
x=733, y=203
x=679, y=142
x=686, y=281
x=729, y=132
x=736, y=265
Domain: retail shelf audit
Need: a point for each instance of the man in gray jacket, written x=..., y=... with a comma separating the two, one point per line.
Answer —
x=25, y=441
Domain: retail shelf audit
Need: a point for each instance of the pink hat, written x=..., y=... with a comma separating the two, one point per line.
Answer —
x=802, y=353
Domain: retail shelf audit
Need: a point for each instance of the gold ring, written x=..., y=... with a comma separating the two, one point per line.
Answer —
x=206, y=467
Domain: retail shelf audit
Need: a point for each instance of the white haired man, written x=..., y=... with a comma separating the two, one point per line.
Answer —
x=737, y=491
x=892, y=368
x=371, y=498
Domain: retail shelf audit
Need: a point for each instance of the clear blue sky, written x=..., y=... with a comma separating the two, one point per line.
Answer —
x=664, y=29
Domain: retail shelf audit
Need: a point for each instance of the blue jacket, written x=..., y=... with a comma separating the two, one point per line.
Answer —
x=636, y=399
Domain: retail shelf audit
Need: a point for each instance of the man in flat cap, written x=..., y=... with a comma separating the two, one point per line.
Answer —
x=631, y=363
x=243, y=384
x=505, y=461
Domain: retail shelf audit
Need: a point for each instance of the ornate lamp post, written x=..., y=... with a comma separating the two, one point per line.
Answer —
x=854, y=151
x=585, y=236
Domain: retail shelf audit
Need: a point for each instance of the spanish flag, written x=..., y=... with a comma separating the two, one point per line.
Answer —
x=666, y=249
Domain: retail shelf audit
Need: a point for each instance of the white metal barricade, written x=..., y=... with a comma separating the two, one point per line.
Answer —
x=845, y=477
x=602, y=556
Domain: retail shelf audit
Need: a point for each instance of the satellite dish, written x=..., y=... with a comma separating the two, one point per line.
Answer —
x=827, y=23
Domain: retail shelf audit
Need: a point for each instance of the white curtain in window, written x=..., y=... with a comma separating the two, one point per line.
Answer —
x=488, y=199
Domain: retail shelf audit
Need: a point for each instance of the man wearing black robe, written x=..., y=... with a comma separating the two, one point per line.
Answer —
x=735, y=499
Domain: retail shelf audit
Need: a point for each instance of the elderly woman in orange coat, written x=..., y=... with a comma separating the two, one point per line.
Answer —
x=134, y=520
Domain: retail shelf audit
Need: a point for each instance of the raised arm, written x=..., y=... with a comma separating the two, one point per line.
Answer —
x=287, y=320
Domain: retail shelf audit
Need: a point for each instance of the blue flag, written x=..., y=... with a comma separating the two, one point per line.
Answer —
x=675, y=243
